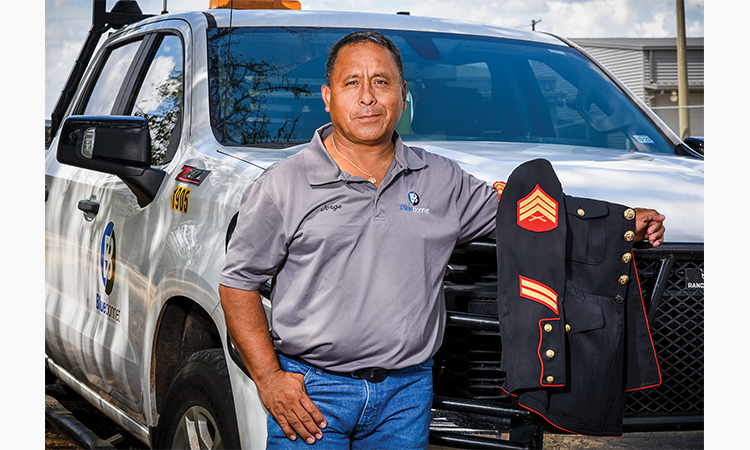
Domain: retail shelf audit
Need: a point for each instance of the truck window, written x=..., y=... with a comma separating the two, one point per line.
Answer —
x=107, y=86
x=264, y=91
x=159, y=99
x=580, y=115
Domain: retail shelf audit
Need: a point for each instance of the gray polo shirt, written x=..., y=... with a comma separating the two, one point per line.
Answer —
x=358, y=269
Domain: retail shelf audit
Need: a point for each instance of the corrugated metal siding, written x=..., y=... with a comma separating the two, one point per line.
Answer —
x=662, y=67
x=627, y=65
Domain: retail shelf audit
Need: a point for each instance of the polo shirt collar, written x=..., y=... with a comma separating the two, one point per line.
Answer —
x=322, y=169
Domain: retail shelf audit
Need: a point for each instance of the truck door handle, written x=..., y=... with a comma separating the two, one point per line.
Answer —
x=90, y=208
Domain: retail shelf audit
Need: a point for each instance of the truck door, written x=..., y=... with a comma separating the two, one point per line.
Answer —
x=72, y=225
x=142, y=77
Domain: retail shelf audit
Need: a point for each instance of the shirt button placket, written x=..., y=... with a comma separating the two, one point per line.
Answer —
x=376, y=213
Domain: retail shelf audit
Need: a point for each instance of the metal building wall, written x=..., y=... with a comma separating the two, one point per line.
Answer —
x=651, y=73
x=661, y=67
x=627, y=65
x=661, y=76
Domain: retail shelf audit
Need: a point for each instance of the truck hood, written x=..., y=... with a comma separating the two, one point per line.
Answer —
x=673, y=185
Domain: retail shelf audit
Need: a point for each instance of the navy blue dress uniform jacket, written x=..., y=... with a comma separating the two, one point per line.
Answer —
x=574, y=330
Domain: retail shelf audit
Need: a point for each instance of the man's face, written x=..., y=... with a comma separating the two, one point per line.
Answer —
x=366, y=96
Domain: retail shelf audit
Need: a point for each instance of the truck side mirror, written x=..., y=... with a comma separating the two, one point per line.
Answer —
x=696, y=143
x=118, y=145
x=112, y=144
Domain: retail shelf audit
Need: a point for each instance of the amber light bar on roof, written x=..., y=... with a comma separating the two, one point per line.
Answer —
x=255, y=4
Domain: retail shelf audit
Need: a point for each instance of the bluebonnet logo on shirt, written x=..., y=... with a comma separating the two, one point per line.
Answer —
x=413, y=198
x=414, y=201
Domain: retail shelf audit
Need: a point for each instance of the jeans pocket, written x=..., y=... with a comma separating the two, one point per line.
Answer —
x=309, y=374
x=292, y=366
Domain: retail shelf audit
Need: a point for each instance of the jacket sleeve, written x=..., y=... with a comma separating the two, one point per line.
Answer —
x=531, y=232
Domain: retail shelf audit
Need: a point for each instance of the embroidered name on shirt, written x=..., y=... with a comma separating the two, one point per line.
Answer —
x=330, y=208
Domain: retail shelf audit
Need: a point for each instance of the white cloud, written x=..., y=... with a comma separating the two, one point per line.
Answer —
x=658, y=26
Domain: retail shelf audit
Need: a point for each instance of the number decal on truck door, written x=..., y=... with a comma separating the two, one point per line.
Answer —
x=180, y=197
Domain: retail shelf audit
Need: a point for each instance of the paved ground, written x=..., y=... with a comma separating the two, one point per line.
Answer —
x=683, y=440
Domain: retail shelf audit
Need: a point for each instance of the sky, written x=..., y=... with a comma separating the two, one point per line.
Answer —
x=67, y=21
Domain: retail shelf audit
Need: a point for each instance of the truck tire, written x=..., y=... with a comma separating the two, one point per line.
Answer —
x=198, y=408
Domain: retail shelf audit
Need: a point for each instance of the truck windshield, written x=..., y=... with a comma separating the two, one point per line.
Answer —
x=265, y=91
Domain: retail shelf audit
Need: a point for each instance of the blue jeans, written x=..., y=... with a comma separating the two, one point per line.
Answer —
x=392, y=414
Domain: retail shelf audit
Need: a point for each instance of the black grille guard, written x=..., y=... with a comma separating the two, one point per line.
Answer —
x=468, y=364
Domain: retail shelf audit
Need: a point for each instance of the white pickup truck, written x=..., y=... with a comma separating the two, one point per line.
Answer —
x=157, y=135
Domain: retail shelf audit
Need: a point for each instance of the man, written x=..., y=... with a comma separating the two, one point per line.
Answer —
x=356, y=230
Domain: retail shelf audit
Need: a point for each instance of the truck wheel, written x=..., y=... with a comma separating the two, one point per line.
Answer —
x=198, y=409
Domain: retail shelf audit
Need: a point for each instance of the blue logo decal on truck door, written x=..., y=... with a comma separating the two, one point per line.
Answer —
x=107, y=259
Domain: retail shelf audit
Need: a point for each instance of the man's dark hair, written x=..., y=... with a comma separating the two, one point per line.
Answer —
x=360, y=37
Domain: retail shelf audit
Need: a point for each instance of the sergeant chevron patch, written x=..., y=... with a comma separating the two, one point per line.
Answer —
x=538, y=292
x=499, y=187
x=538, y=211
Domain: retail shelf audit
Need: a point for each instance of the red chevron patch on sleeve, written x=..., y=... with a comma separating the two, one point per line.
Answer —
x=538, y=292
x=499, y=187
x=538, y=211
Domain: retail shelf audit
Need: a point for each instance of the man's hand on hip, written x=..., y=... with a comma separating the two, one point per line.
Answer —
x=284, y=395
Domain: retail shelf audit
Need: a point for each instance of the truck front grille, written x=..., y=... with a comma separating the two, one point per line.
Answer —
x=468, y=363
x=676, y=319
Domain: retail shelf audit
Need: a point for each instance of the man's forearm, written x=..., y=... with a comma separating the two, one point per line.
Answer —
x=248, y=327
x=283, y=394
